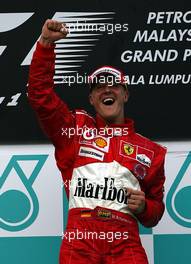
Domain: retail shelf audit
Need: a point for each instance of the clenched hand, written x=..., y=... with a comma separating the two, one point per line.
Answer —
x=52, y=31
x=136, y=201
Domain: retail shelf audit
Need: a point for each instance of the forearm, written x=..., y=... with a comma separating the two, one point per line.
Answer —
x=40, y=89
x=152, y=213
x=46, y=42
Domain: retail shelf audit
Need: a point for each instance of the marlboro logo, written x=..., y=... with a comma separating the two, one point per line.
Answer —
x=106, y=191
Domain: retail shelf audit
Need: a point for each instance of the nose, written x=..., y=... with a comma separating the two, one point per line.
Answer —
x=107, y=87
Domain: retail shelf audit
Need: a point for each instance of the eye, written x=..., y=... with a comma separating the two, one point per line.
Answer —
x=116, y=85
x=98, y=86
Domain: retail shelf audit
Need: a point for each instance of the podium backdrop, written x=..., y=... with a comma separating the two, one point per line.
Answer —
x=150, y=42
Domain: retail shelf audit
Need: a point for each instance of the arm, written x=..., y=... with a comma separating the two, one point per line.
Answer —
x=148, y=206
x=153, y=203
x=51, y=110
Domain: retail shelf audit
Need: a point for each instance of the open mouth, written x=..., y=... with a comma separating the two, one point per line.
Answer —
x=108, y=101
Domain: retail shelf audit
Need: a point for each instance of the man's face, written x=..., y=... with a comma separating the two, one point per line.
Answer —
x=108, y=101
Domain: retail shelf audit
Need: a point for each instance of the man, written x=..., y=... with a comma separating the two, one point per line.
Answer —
x=117, y=175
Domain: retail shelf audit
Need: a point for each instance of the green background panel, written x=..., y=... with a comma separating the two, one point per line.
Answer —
x=30, y=250
x=172, y=249
x=144, y=230
x=65, y=208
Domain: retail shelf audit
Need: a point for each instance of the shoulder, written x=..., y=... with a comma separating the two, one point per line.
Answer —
x=149, y=142
x=158, y=150
x=83, y=117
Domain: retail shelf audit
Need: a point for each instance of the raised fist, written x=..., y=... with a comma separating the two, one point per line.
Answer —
x=52, y=31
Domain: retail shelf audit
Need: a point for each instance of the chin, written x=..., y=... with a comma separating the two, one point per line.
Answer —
x=109, y=118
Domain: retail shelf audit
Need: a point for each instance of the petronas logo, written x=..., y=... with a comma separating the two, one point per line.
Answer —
x=179, y=195
x=19, y=204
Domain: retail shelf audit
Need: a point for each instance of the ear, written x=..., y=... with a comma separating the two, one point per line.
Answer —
x=90, y=99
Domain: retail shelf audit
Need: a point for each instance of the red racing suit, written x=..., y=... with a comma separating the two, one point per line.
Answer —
x=97, y=162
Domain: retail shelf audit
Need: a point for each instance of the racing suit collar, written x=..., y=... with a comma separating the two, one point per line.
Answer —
x=129, y=124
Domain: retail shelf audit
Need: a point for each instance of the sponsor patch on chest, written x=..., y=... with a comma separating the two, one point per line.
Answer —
x=98, y=142
x=91, y=153
x=135, y=152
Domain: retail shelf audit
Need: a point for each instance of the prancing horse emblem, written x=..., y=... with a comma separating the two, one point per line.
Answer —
x=128, y=149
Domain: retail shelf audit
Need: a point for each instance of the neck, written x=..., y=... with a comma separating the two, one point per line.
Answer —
x=114, y=120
